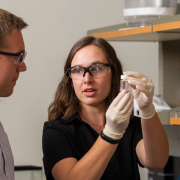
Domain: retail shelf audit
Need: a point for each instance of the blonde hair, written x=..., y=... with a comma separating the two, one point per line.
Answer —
x=9, y=23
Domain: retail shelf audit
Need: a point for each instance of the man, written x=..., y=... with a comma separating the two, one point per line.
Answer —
x=12, y=55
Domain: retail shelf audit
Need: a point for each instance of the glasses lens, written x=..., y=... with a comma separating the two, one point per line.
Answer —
x=15, y=60
x=22, y=57
x=99, y=70
x=96, y=70
x=76, y=73
x=18, y=60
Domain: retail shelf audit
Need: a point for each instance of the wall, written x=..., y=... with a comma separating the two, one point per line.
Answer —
x=54, y=27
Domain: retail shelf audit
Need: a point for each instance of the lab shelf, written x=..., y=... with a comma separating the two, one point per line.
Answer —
x=122, y=33
x=166, y=31
x=169, y=24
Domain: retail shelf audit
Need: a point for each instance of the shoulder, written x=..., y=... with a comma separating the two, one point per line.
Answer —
x=52, y=124
x=1, y=126
x=61, y=124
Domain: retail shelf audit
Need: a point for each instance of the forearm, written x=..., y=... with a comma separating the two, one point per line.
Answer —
x=155, y=143
x=92, y=165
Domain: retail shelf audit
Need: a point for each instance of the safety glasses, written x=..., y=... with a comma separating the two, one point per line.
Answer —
x=97, y=70
x=17, y=58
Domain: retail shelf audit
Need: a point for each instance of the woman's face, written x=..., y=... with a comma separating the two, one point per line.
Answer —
x=101, y=86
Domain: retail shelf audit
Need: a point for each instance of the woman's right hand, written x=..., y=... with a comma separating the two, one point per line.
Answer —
x=118, y=115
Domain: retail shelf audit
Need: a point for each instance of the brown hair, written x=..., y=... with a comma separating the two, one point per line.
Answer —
x=66, y=103
x=9, y=23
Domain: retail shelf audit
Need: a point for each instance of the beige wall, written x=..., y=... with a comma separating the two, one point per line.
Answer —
x=54, y=26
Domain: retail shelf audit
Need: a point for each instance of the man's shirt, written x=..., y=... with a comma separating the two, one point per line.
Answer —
x=6, y=157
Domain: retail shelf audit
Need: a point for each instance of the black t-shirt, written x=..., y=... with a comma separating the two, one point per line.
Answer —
x=74, y=138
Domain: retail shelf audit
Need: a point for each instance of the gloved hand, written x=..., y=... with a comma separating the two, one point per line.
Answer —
x=118, y=115
x=143, y=90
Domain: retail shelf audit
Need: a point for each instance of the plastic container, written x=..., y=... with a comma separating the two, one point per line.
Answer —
x=175, y=118
x=143, y=12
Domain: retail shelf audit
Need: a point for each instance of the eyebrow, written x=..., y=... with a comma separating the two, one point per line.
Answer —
x=21, y=51
x=95, y=62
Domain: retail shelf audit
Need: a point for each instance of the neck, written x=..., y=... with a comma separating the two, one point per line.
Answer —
x=93, y=114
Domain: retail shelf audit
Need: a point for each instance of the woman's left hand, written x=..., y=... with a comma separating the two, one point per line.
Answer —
x=143, y=89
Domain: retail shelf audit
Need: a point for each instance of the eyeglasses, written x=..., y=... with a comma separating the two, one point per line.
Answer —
x=17, y=58
x=96, y=70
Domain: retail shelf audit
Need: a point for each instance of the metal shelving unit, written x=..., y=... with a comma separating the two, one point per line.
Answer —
x=166, y=31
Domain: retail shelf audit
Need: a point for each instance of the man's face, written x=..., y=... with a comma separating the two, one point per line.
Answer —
x=9, y=72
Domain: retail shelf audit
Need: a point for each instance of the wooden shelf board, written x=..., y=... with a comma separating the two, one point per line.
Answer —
x=123, y=32
x=173, y=26
x=107, y=29
x=164, y=29
x=146, y=37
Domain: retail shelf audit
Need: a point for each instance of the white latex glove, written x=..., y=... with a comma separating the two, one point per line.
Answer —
x=118, y=115
x=143, y=90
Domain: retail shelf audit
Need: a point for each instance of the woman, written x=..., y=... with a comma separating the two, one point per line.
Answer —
x=91, y=133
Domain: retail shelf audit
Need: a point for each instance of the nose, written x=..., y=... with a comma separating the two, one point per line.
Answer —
x=87, y=78
x=22, y=67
